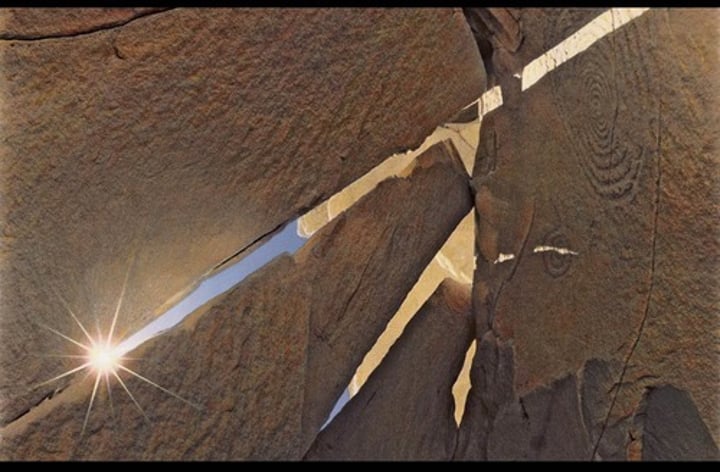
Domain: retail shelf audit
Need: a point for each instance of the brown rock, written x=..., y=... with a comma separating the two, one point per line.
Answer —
x=44, y=23
x=612, y=159
x=672, y=428
x=405, y=409
x=509, y=38
x=268, y=360
x=183, y=137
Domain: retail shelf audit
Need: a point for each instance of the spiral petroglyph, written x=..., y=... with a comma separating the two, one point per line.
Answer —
x=587, y=97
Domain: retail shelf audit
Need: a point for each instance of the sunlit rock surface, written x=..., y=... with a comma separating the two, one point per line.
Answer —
x=267, y=361
x=166, y=142
x=379, y=423
x=612, y=157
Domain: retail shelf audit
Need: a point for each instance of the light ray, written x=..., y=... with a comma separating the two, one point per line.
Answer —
x=68, y=356
x=64, y=336
x=65, y=374
x=131, y=395
x=92, y=399
x=120, y=299
x=72, y=313
x=107, y=384
x=169, y=392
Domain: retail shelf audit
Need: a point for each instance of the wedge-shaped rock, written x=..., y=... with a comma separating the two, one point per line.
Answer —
x=405, y=409
x=267, y=361
x=177, y=139
x=597, y=227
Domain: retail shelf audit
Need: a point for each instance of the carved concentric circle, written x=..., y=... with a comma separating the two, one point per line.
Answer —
x=556, y=264
x=587, y=98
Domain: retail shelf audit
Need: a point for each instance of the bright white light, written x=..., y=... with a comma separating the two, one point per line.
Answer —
x=104, y=359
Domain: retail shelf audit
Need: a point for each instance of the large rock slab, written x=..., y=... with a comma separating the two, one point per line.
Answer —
x=405, y=409
x=267, y=361
x=160, y=146
x=597, y=240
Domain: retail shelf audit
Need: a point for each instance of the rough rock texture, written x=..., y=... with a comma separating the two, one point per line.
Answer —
x=402, y=219
x=43, y=23
x=405, y=409
x=612, y=159
x=672, y=428
x=178, y=139
x=509, y=38
x=269, y=359
x=455, y=259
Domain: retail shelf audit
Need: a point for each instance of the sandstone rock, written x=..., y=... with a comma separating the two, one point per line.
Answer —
x=509, y=38
x=44, y=23
x=267, y=361
x=405, y=409
x=673, y=429
x=596, y=238
x=179, y=139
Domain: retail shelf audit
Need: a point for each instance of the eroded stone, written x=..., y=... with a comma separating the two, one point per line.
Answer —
x=380, y=422
x=610, y=159
x=184, y=137
x=268, y=360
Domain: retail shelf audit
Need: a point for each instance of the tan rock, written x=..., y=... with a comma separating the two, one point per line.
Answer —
x=180, y=139
x=405, y=409
x=268, y=360
x=599, y=184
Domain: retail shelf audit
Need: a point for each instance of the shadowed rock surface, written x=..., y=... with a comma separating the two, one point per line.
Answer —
x=611, y=158
x=181, y=138
x=379, y=423
x=268, y=360
x=672, y=428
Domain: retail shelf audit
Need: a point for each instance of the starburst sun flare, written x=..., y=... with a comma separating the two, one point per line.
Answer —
x=104, y=357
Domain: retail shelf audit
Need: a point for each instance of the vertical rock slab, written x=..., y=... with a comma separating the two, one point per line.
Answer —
x=509, y=38
x=161, y=145
x=266, y=362
x=403, y=219
x=405, y=409
x=596, y=230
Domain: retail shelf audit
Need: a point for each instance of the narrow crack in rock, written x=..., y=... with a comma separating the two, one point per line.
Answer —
x=94, y=29
x=619, y=383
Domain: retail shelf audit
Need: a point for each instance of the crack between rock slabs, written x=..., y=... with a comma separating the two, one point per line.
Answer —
x=248, y=246
x=95, y=29
x=649, y=295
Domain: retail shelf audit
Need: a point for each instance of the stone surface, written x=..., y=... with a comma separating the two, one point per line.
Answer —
x=455, y=259
x=268, y=360
x=672, y=428
x=405, y=409
x=179, y=139
x=43, y=23
x=612, y=157
x=509, y=38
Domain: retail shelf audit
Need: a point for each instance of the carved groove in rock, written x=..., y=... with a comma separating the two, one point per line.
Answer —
x=611, y=160
x=556, y=264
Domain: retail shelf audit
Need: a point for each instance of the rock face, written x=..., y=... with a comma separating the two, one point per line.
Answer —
x=155, y=146
x=673, y=429
x=597, y=249
x=509, y=38
x=45, y=23
x=267, y=361
x=405, y=409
